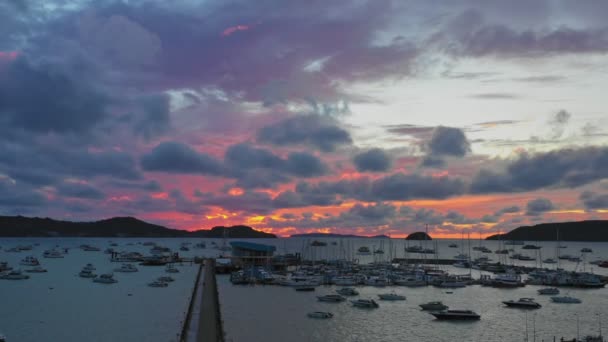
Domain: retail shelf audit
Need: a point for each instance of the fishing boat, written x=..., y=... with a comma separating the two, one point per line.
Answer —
x=391, y=296
x=456, y=315
x=365, y=303
x=320, y=314
x=331, y=298
x=434, y=306
x=566, y=300
x=549, y=291
x=523, y=303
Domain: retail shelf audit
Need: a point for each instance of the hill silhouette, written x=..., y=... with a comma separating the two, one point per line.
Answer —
x=596, y=231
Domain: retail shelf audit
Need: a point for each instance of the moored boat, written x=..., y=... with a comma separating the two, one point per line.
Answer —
x=548, y=291
x=158, y=283
x=434, y=306
x=523, y=303
x=456, y=315
x=566, y=300
x=391, y=296
x=365, y=303
x=14, y=275
x=331, y=298
x=347, y=291
x=320, y=314
x=107, y=278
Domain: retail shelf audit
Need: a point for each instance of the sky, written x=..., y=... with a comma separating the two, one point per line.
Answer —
x=356, y=117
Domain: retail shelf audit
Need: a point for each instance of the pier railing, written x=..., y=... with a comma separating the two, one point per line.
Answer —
x=184, y=332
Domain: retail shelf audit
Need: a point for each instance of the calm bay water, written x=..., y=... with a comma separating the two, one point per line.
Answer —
x=76, y=309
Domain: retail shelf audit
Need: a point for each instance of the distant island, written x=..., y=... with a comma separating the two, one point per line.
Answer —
x=419, y=236
x=20, y=226
x=596, y=231
x=334, y=235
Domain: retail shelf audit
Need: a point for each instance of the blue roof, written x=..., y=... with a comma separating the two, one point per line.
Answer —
x=253, y=246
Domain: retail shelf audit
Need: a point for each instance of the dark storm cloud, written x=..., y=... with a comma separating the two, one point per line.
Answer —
x=174, y=157
x=375, y=160
x=79, y=190
x=539, y=206
x=592, y=200
x=508, y=210
x=251, y=202
x=569, y=167
x=470, y=35
x=303, y=196
x=14, y=196
x=44, y=97
x=154, y=119
x=449, y=141
x=312, y=130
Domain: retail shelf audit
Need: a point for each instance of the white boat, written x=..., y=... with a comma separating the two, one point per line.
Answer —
x=434, y=306
x=52, y=254
x=566, y=300
x=14, y=275
x=29, y=261
x=391, y=296
x=331, y=298
x=107, y=278
x=320, y=314
x=36, y=269
x=158, y=283
x=524, y=303
x=126, y=268
x=347, y=291
x=171, y=269
x=365, y=303
x=549, y=291
x=85, y=273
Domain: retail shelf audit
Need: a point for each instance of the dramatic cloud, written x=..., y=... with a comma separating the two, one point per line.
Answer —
x=539, y=206
x=449, y=141
x=375, y=160
x=312, y=130
x=174, y=157
x=570, y=167
x=79, y=190
x=592, y=200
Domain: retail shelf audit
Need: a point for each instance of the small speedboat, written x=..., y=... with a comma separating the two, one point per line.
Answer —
x=37, y=269
x=158, y=283
x=523, y=303
x=166, y=279
x=86, y=273
x=320, y=314
x=14, y=275
x=347, y=291
x=365, y=303
x=434, y=306
x=566, y=300
x=456, y=315
x=549, y=291
x=331, y=298
x=107, y=278
x=391, y=296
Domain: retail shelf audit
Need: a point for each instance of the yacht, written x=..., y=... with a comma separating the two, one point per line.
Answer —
x=586, y=250
x=88, y=248
x=453, y=245
x=347, y=291
x=391, y=296
x=524, y=303
x=89, y=267
x=410, y=281
x=166, y=279
x=320, y=314
x=171, y=269
x=86, y=273
x=52, y=254
x=461, y=256
x=29, y=261
x=107, y=278
x=566, y=300
x=363, y=251
x=158, y=283
x=36, y=269
x=549, y=291
x=456, y=315
x=365, y=303
x=14, y=275
x=501, y=251
x=531, y=247
x=434, y=306
x=331, y=298
x=126, y=268
x=304, y=288
x=550, y=261
x=318, y=243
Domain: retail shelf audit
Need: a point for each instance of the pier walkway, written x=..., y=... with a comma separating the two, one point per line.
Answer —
x=203, y=321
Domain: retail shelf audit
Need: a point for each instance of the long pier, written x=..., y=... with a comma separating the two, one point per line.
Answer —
x=203, y=322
